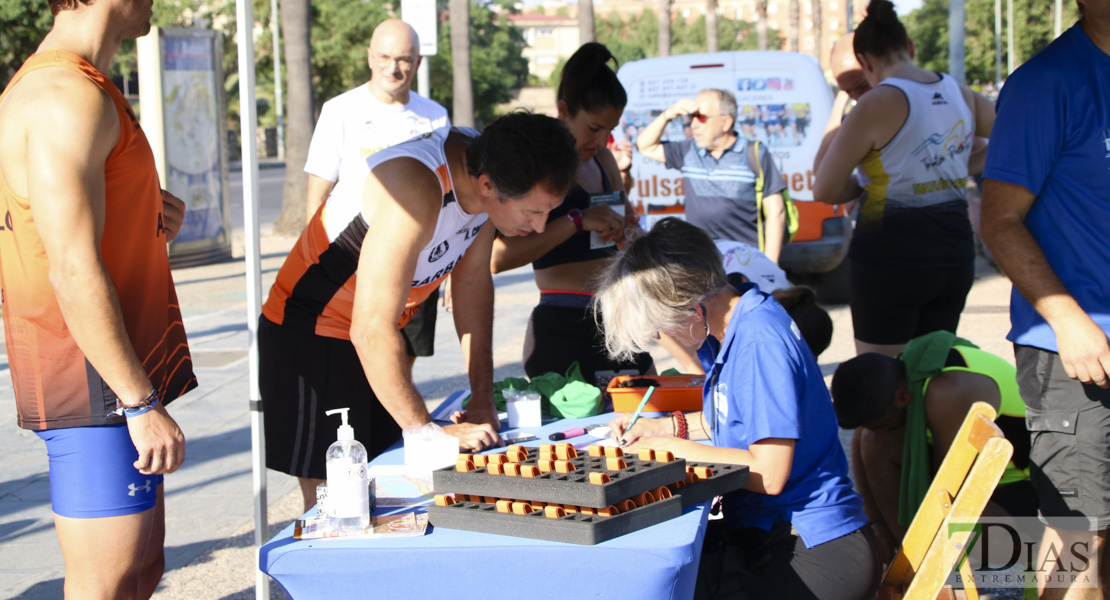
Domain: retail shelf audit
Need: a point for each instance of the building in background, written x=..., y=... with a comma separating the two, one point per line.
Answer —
x=551, y=39
x=551, y=28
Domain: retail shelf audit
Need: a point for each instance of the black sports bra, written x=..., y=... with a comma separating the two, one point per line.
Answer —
x=577, y=247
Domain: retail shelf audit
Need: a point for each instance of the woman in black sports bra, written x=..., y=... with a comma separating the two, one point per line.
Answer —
x=580, y=234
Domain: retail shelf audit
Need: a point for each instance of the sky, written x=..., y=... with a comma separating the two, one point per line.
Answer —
x=904, y=7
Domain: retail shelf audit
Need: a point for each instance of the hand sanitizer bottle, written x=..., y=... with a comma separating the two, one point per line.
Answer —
x=348, y=486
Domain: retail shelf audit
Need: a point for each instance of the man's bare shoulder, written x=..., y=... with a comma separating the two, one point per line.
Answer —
x=56, y=101
x=55, y=112
x=409, y=183
x=951, y=394
x=61, y=89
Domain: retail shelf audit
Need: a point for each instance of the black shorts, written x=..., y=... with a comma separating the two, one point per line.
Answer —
x=301, y=376
x=1069, y=423
x=1018, y=499
x=892, y=304
x=561, y=330
x=420, y=333
x=755, y=564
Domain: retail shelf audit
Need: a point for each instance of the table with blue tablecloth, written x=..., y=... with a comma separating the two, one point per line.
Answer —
x=657, y=562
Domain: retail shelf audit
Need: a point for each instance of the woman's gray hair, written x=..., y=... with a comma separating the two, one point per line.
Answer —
x=654, y=283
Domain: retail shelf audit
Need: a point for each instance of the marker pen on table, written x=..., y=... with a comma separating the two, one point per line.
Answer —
x=562, y=435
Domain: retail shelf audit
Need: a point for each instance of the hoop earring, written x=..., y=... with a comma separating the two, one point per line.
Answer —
x=704, y=323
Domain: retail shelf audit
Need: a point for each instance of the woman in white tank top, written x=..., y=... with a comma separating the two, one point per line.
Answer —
x=912, y=138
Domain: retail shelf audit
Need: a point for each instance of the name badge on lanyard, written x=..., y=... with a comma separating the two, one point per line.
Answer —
x=615, y=201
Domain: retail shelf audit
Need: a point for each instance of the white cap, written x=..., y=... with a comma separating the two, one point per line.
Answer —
x=345, y=433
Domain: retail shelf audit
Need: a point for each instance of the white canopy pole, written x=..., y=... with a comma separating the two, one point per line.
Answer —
x=248, y=125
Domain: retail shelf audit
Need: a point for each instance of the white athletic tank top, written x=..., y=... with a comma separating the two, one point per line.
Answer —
x=925, y=164
x=314, y=290
x=455, y=228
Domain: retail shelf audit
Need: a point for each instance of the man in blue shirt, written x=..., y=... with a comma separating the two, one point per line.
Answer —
x=1045, y=217
x=719, y=181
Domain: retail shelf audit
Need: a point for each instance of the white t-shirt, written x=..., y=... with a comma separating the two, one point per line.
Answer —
x=354, y=125
x=753, y=264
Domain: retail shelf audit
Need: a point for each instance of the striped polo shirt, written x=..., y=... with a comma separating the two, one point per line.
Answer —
x=720, y=193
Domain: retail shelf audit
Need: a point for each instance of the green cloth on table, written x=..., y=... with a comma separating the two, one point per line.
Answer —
x=924, y=357
x=566, y=396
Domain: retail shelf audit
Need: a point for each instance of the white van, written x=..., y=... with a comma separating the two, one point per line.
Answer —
x=784, y=102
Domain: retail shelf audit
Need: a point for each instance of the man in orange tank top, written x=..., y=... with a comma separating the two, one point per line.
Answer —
x=92, y=325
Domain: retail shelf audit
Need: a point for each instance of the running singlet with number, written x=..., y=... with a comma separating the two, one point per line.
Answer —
x=914, y=204
x=55, y=386
x=315, y=288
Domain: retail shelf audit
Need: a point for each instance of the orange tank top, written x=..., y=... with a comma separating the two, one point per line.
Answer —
x=55, y=386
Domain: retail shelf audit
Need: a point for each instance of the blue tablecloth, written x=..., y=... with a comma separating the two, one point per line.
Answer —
x=654, y=563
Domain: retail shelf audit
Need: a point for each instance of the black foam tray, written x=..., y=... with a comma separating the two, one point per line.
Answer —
x=564, y=488
x=726, y=478
x=585, y=530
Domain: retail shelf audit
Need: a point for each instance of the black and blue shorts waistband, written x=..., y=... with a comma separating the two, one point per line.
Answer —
x=566, y=299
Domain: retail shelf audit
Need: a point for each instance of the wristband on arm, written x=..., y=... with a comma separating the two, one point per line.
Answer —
x=135, y=410
x=575, y=216
x=680, y=430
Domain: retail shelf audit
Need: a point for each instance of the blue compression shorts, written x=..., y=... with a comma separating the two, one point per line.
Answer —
x=93, y=475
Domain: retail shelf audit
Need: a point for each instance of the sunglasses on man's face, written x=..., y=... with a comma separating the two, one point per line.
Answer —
x=699, y=117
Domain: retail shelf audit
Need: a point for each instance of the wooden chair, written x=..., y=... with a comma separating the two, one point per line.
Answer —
x=964, y=483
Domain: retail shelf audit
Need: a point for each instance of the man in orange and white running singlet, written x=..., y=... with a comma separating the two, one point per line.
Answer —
x=329, y=336
x=91, y=319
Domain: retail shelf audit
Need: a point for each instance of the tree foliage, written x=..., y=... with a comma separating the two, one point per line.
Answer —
x=637, y=38
x=24, y=23
x=497, y=65
x=1033, y=30
x=341, y=32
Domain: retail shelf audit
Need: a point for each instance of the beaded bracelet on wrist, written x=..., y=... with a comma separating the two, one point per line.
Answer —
x=680, y=425
x=134, y=410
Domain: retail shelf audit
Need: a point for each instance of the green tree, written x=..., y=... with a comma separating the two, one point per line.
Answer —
x=635, y=39
x=24, y=23
x=629, y=40
x=497, y=65
x=341, y=33
x=1033, y=23
x=462, y=81
x=296, y=27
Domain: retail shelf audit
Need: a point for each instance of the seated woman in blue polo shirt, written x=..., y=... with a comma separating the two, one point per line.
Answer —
x=797, y=530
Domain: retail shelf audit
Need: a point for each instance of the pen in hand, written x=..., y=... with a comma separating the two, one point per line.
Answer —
x=636, y=415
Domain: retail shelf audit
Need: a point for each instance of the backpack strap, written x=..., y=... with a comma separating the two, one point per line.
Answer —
x=757, y=168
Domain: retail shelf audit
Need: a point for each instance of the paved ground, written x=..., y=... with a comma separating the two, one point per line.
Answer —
x=209, y=544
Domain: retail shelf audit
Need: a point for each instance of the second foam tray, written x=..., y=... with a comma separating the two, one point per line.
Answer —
x=565, y=488
x=726, y=478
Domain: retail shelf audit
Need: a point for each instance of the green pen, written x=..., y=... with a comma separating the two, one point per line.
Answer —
x=636, y=415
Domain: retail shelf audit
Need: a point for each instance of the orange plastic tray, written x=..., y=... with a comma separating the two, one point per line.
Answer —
x=674, y=392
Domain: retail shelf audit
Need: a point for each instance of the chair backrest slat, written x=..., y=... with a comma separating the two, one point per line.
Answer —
x=961, y=488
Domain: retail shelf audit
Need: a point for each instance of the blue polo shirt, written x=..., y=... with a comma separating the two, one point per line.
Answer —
x=1052, y=137
x=765, y=383
x=720, y=193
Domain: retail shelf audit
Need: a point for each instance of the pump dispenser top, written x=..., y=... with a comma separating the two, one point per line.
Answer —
x=345, y=433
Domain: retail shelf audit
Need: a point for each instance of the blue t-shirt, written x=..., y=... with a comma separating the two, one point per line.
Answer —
x=720, y=193
x=765, y=383
x=1052, y=137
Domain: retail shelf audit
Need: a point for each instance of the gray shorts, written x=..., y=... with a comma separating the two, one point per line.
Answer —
x=1069, y=423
